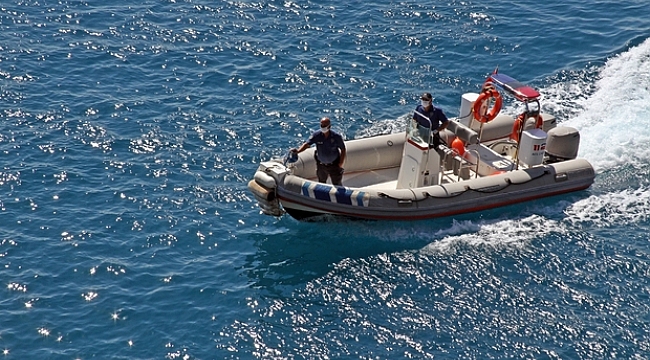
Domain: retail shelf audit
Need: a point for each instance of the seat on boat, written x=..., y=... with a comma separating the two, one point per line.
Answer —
x=499, y=128
x=461, y=131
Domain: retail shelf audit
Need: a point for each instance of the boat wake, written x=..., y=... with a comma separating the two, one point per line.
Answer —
x=623, y=208
x=611, y=109
x=511, y=233
x=629, y=207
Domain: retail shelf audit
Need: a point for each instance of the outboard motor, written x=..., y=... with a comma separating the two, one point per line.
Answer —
x=562, y=144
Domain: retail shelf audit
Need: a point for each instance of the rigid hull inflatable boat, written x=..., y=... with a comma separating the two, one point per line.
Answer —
x=492, y=160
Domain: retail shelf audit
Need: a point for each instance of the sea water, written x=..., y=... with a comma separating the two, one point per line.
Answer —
x=129, y=131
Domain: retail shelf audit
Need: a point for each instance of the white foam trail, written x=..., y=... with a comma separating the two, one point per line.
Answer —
x=515, y=233
x=617, y=209
x=613, y=120
x=626, y=207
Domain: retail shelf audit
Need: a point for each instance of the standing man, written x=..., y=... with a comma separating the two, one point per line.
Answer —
x=330, y=152
x=431, y=117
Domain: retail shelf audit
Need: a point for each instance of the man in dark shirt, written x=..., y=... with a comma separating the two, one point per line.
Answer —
x=431, y=117
x=330, y=152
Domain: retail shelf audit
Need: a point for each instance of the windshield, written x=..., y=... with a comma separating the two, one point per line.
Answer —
x=418, y=133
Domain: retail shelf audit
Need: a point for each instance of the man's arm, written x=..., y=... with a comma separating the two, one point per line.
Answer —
x=443, y=126
x=342, y=157
x=443, y=121
x=302, y=147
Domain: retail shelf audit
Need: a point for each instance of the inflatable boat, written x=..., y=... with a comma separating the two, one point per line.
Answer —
x=487, y=160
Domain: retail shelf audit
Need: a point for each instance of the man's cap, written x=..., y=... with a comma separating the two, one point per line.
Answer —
x=426, y=96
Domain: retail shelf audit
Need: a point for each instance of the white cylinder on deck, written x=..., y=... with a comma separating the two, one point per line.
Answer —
x=532, y=147
x=466, y=104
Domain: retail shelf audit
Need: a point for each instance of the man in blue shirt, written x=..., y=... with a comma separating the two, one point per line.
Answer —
x=431, y=117
x=330, y=152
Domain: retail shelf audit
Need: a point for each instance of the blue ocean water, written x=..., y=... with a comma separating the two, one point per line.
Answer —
x=129, y=133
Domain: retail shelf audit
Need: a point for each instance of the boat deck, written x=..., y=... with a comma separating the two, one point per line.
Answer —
x=386, y=179
x=375, y=179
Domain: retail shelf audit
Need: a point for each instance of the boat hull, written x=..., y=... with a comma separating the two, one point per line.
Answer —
x=442, y=183
x=302, y=200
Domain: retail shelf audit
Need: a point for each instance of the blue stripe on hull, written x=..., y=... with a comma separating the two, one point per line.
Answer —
x=329, y=193
x=344, y=196
x=360, y=196
x=322, y=192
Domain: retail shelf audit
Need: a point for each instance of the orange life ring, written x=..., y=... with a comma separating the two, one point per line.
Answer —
x=519, y=124
x=487, y=116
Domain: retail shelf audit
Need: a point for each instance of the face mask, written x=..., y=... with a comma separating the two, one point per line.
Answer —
x=325, y=130
x=426, y=103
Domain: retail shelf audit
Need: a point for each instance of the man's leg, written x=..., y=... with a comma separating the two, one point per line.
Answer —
x=336, y=174
x=321, y=172
x=436, y=142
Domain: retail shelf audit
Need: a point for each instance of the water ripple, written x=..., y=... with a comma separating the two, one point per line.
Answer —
x=129, y=132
